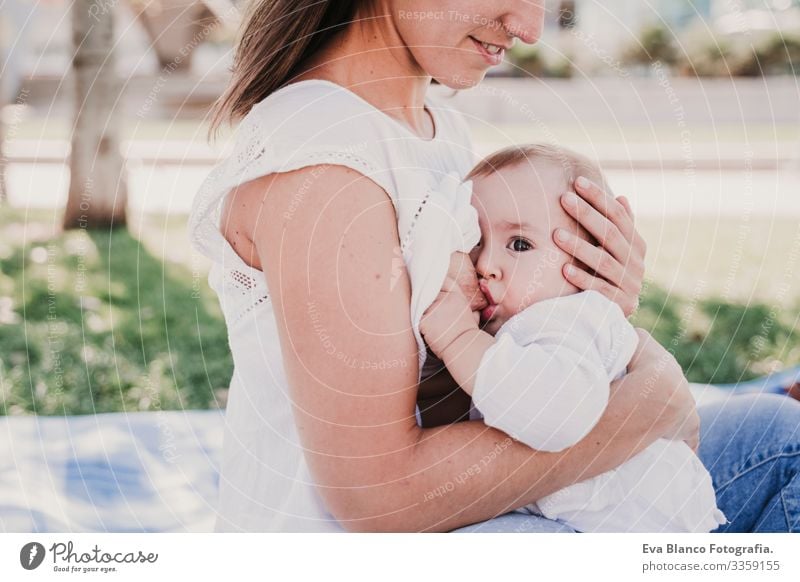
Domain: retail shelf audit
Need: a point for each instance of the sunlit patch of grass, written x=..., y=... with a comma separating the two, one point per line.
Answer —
x=93, y=322
x=718, y=342
x=105, y=322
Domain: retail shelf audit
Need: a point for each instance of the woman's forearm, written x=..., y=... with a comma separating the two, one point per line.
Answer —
x=467, y=472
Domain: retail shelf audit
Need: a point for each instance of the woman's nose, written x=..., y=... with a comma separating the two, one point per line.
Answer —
x=525, y=20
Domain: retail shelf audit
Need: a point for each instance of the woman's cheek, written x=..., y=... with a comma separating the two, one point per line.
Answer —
x=443, y=50
x=455, y=68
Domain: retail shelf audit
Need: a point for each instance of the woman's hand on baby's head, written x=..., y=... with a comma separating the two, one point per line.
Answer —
x=617, y=264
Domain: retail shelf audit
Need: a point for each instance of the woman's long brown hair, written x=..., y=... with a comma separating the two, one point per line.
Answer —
x=275, y=38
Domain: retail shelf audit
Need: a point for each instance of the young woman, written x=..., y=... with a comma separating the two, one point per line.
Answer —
x=309, y=225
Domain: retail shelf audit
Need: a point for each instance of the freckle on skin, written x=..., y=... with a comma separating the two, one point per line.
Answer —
x=377, y=275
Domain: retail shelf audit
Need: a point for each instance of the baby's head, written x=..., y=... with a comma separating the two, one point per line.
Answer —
x=517, y=192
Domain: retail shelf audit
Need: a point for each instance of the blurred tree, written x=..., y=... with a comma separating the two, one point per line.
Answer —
x=531, y=61
x=177, y=27
x=97, y=191
x=3, y=195
x=780, y=54
x=655, y=43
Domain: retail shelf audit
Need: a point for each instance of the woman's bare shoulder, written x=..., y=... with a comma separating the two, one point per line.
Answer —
x=300, y=199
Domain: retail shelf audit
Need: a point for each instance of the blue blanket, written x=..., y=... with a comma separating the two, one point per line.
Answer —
x=131, y=472
x=145, y=471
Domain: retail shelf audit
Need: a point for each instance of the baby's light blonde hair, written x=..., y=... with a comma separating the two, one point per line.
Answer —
x=572, y=163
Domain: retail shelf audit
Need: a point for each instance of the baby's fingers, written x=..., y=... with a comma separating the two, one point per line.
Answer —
x=461, y=277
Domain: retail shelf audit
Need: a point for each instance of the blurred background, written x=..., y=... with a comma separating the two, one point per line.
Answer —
x=691, y=107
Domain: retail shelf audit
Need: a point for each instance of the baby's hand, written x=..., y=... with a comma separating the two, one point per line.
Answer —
x=461, y=274
x=455, y=309
x=445, y=319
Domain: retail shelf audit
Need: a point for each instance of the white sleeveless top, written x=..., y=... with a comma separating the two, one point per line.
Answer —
x=265, y=484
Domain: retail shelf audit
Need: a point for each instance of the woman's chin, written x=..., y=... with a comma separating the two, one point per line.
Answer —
x=462, y=80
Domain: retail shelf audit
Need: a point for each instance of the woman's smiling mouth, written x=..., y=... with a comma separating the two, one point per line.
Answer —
x=492, y=53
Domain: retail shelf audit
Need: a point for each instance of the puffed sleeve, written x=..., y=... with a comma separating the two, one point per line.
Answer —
x=545, y=380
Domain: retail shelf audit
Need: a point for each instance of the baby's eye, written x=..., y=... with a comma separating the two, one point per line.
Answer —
x=522, y=247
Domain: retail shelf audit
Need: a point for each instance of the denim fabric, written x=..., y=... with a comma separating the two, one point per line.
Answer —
x=750, y=445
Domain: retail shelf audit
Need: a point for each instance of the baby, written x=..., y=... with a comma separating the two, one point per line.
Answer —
x=544, y=377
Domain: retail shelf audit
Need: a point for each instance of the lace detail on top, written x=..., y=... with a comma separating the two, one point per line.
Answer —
x=407, y=239
x=245, y=282
x=204, y=221
x=292, y=129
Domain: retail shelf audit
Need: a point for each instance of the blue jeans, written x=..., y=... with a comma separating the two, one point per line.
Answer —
x=751, y=446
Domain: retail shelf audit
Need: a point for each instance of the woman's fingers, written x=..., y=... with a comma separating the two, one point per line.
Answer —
x=606, y=205
x=606, y=232
x=593, y=257
x=616, y=267
x=584, y=281
x=621, y=284
x=608, y=212
x=627, y=205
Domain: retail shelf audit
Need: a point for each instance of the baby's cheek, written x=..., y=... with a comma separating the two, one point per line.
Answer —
x=548, y=279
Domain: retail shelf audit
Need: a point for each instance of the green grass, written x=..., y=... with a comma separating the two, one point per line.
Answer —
x=100, y=322
x=723, y=295
x=103, y=322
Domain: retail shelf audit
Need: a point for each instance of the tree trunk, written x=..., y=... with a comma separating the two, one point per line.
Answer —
x=97, y=191
x=3, y=195
x=3, y=161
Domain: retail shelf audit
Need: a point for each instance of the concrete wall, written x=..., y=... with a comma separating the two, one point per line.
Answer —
x=635, y=101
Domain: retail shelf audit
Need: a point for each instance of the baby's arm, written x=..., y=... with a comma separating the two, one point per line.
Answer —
x=450, y=328
x=441, y=400
x=548, y=394
x=545, y=379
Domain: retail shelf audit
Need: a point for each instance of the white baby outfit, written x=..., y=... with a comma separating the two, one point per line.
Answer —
x=265, y=483
x=545, y=382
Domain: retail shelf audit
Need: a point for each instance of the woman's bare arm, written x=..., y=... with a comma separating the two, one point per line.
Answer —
x=327, y=239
